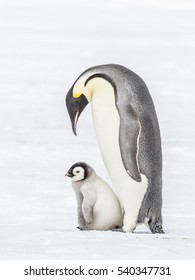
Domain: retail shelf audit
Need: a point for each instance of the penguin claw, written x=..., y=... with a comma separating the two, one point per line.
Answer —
x=82, y=228
x=155, y=227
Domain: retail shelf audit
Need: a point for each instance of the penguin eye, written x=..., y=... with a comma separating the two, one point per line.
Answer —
x=77, y=171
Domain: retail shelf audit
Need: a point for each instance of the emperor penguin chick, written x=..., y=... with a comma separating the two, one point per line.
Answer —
x=98, y=206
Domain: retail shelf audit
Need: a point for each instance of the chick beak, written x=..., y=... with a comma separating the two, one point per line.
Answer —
x=69, y=175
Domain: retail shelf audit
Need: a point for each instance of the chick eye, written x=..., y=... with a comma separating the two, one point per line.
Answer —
x=77, y=171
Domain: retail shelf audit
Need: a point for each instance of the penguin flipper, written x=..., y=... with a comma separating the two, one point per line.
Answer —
x=129, y=132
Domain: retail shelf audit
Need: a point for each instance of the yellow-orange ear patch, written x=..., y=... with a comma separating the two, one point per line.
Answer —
x=76, y=94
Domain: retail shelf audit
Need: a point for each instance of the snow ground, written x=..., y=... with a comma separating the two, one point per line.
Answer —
x=44, y=46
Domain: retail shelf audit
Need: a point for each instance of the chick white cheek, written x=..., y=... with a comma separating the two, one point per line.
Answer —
x=75, y=179
x=79, y=174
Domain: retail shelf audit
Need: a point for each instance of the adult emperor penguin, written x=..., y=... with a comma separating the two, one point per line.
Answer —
x=128, y=136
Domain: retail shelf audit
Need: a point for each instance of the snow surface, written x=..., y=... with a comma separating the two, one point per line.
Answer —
x=44, y=46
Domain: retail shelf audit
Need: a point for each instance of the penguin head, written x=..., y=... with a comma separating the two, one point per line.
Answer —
x=79, y=171
x=79, y=95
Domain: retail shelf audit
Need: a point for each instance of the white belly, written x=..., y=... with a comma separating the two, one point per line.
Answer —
x=106, y=123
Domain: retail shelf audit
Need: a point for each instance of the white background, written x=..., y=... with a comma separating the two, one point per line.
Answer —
x=44, y=46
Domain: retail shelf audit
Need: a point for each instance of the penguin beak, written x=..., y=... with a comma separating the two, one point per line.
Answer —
x=69, y=175
x=75, y=106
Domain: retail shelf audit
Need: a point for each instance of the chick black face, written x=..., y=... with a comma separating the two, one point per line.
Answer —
x=78, y=172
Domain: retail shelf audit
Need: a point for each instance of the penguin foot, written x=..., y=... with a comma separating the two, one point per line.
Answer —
x=155, y=227
x=82, y=228
x=118, y=229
